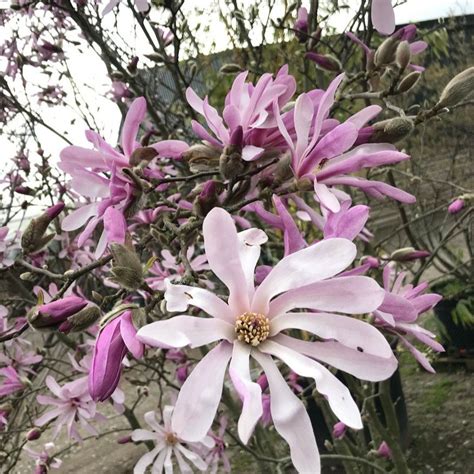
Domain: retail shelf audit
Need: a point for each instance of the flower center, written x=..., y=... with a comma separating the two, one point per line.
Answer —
x=252, y=328
x=171, y=439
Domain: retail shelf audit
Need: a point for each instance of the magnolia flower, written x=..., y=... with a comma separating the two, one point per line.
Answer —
x=251, y=324
x=217, y=455
x=112, y=344
x=247, y=113
x=72, y=404
x=301, y=24
x=327, y=159
x=168, y=267
x=87, y=168
x=20, y=359
x=7, y=247
x=43, y=459
x=168, y=443
x=11, y=382
x=400, y=309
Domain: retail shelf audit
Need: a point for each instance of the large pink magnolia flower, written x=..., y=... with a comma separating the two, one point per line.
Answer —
x=72, y=405
x=401, y=307
x=328, y=158
x=168, y=443
x=251, y=324
x=247, y=114
x=97, y=174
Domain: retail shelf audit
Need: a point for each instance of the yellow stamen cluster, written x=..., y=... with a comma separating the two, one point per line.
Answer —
x=252, y=328
x=171, y=439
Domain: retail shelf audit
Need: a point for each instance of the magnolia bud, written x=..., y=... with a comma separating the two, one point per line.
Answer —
x=33, y=434
x=231, y=164
x=315, y=36
x=81, y=320
x=201, y=157
x=458, y=89
x=127, y=269
x=408, y=81
x=456, y=206
x=143, y=154
x=53, y=314
x=325, y=61
x=207, y=198
x=403, y=55
x=391, y=130
x=230, y=69
x=33, y=239
x=385, y=53
x=407, y=254
x=156, y=57
x=124, y=439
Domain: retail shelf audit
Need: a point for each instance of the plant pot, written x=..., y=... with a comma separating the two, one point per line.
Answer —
x=457, y=338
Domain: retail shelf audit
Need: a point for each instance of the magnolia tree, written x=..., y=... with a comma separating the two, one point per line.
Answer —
x=209, y=277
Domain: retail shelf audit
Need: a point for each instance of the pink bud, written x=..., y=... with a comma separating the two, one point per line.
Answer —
x=55, y=210
x=384, y=450
x=182, y=373
x=263, y=382
x=371, y=261
x=33, y=434
x=456, y=206
x=339, y=430
x=124, y=439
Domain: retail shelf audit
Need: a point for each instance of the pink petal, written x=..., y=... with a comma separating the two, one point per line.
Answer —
x=170, y=148
x=115, y=225
x=181, y=331
x=351, y=295
x=79, y=217
x=135, y=115
x=399, y=307
x=251, y=152
x=361, y=118
x=336, y=393
x=200, y=394
x=326, y=197
x=362, y=365
x=291, y=419
x=250, y=392
x=129, y=335
x=179, y=297
x=309, y=265
x=222, y=250
x=383, y=16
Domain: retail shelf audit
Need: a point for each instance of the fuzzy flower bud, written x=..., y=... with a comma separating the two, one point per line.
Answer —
x=33, y=434
x=230, y=68
x=81, y=320
x=391, y=130
x=207, y=198
x=408, y=81
x=301, y=24
x=407, y=254
x=231, y=164
x=403, y=55
x=112, y=344
x=33, y=239
x=52, y=315
x=459, y=88
x=384, y=450
x=385, y=53
x=325, y=61
x=127, y=269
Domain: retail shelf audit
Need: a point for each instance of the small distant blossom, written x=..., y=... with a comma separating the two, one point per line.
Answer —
x=167, y=445
x=301, y=24
x=43, y=459
x=71, y=404
x=218, y=455
x=10, y=381
x=401, y=307
x=7, y=248
x=167, y=267
x=20, y=359
x=251, y=325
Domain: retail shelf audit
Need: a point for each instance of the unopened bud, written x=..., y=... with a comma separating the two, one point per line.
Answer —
x=97, y=296
x=325, y=61
x=230, y=69
x=408, y=81
x=231, y=164
x=459, y=88
x=407, y=254
x=132, y=65
x=201, y=157
x=27, y=276
x=156, y=57
x=385, y=53
x=81, y=320
x=33, y=434
x=124, y=439
x=315, y=36
x=53, y=314
x=33, y=239
x=143, y=154
x=403, y=55
x=208, y=197
x=328, y=445
x=127, y=269
x=456, y=206
x=391, y=130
